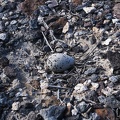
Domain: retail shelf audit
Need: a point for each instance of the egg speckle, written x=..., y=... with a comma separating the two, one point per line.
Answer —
x=59, y=62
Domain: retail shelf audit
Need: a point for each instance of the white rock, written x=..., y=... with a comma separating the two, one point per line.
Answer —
x=16, y=106
x=65, y=28
x=106, y=42
x=89, y=9
x=43, y=85
x=74, y=111
x=59, y=62
x=3, y=36
x=108, y=91
x=115, y=20
x=79, y=88
x=94, y=86
x=13, y=22
x=87, y=83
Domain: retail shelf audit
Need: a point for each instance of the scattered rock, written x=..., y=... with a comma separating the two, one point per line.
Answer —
x=79, y=28
x=65, y=28
x=52, y=3
x=115, y=20
x=116, y=9
x=31, y=116
x=59, y=62
x=112, y=102
x=90, y=71
x=4, y=62
x=3, y=36
x=93, y=40
x=82, y=107
x=53, y=113
x=102, y=99
x=107, y=42
x=94, y=77
x=114, y=79
x=79, y=88
x=74, y=111
x=9, y=71
x=15, y=106
x=1, y=26
x=35, y=84
x=94, y=86
x=29, y=6
x=89, y=9
x=44, y=10
x=114, y=58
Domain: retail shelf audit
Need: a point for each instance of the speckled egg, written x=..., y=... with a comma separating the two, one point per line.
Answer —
x=59, y=62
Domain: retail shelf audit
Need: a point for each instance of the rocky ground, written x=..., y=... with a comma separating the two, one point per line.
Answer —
x=59, y=59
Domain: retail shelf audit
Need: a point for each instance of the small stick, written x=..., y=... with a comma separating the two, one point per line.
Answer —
x=50, y=31
x=41, y=20
x=47, y=42
x=58, y=87
x=58, y=92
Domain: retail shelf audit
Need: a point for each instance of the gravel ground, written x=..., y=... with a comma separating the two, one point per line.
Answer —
x=59, y=60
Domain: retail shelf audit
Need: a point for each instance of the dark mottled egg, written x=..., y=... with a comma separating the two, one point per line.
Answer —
x=59, y=62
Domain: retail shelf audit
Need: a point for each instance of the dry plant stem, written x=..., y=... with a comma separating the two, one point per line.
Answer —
x=93, y=48
x=47, y=42
x=50, y=31
x=58, y=92
x=89, y=53
x=58, y=87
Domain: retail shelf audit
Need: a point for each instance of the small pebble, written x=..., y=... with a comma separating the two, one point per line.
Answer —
x=82, y=107
x=79, y=88
x=15, y=106
x=94, y=77
x=90, y=71
x=89, y=9
x=9, y=71
x=114, y=79
x=4, y=62
x=3, y=36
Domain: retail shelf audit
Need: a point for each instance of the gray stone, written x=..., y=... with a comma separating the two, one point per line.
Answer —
x=112, y=102
x=59, y=62
x=4, y=62
x=13, y=22
x=83, y=107
x=44, y=10
x=3, y=36
x=90, y=71
x=77, y=117
x=9, y=72
x=94, y=77
x=3, y=101
x=53, y=113
x=102, y=99
x=31, y=116
x=1, y=26
x=33, y=24
x=95, y=116
x=52, y=3
x=114, y=79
